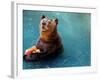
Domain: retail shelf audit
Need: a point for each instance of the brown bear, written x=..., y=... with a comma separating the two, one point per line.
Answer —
x=49, y=43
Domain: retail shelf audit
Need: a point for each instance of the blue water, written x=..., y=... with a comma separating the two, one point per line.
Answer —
x=75, y=31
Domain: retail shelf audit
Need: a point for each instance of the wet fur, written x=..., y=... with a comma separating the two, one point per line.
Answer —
x=49, y=42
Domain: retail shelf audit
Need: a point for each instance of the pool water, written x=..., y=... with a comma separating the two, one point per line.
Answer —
x=75, y=31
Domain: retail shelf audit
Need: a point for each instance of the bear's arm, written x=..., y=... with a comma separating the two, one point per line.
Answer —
x=41, y=46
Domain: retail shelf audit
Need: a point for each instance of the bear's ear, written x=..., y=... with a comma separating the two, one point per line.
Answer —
x=56, y=20
x=42, y=16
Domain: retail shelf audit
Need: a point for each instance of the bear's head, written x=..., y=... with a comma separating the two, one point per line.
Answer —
x=48, y=28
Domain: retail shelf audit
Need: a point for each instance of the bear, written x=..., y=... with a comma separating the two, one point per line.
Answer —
x=49, y=43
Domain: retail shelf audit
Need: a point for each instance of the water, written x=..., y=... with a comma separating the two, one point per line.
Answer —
x=75, y=32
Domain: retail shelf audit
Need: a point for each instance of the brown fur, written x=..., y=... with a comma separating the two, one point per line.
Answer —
x=49, y=41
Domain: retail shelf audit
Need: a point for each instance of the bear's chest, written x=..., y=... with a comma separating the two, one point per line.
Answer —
x=44, y=45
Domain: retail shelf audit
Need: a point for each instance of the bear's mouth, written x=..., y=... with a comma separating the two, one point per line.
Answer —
x=44, y=28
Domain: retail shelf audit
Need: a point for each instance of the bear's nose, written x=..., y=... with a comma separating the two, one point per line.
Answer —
x=43, y=23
